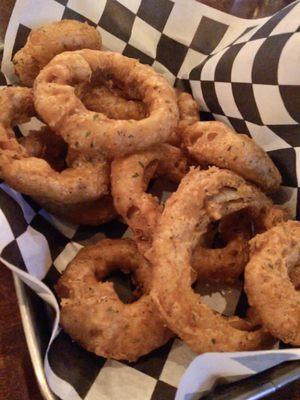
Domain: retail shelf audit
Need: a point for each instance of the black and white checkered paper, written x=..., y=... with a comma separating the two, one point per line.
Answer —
x=243, y=72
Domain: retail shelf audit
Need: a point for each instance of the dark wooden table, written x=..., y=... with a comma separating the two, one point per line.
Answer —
x=17, y=380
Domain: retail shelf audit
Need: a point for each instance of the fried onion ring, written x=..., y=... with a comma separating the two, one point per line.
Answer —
x=214, y=143
x=226, y=264
x=109, y=102
x=202, y=197
x=91, y=213
x=46, y=42
x=56, y=102
x=50, y=147
x=267, y=283
x=130, y=177
x=188, y=111
x=46, y=145
x=92, y=312
x=84, y=180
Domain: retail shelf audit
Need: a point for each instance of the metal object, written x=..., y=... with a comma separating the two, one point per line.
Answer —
x=259, y=385
x=36, y=342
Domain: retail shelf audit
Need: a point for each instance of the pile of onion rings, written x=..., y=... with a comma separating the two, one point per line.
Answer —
x=112, y=126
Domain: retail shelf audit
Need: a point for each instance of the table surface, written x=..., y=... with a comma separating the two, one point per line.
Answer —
x=17, y=380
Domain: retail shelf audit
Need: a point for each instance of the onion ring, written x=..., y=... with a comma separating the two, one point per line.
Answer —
x=49, y=40
x=267, y=283
x=113, y=103
x=202, y=197
x=129, y=180
x=50, y=147
x=92, y=312
x=93, y=213
x=226, y=264
x=46, y=145
x=109, y=102
x=92, y=132
x=214, y=143
x=85, y=180
x=188, y=111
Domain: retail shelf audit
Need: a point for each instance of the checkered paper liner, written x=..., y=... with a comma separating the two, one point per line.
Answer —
x=243, y=72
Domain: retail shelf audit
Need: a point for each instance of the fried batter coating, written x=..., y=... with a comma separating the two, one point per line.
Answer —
x=115, y=105
x=104, y=100
x=226, y=264
x=188, y=111
x=91, y=213
x=95, y=133
x=46, y=42
x=47, y=145
x=50, y=147
x=130, y=177
x=92, y=312
x=214, y=143
x=267, y=283
x=202, y=197
x=85, y=180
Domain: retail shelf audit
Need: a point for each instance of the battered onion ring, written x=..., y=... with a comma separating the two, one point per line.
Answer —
x=267, y=283
x=45, y=144
x=92, y=132
x=92, y=312
x=226, y=264
x=214, y=143
x=202, y=197
x=188, y=111
x=109, y=102
x=112, y=103
x=85, y=180
x=49, y=40
x=92, y=213
x=129, y=180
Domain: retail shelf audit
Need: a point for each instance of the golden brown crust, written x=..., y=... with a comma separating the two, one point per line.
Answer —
x=202, y=197
x=267, y=283
x=92, y=312
x=129, y=180
x=109, y=102
x=214, y=143
x=46, y=42
x=92, y=213
x=92, y=132
x=85, y=180
x=188, y=111
x=226, y=264
x=46, y=145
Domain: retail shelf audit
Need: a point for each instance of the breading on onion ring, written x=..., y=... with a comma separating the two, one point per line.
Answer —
x=202, y=197
x=50, y=147
x=130, y=177
x=109, y=102
x=188, y=111
x=63, y=111
x=92, y=312
x=44, y=144
x=84, y=180
x=268, y=286
x=214, y=143
x=228, y=263
x=92, y=213
x=115, y=105
x=51, y=39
